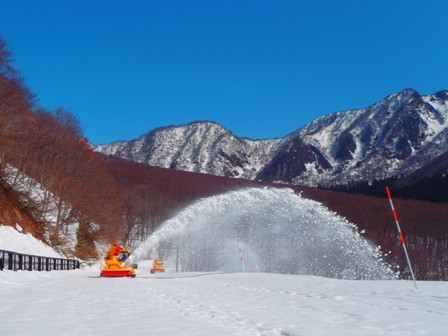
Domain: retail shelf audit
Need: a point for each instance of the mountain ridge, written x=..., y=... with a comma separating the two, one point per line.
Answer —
x=395, y=136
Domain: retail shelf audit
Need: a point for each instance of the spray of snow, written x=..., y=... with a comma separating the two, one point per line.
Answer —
x=280, y=232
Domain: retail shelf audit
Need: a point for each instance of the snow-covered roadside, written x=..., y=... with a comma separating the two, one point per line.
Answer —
x=12, y=239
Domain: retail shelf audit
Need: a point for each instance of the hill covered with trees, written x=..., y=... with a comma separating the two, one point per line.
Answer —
x=47, y=167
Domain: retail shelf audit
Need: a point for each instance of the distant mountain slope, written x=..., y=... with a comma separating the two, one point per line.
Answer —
x=427, y=183
x=201, y=147
x=393, y=137
x=396, y=136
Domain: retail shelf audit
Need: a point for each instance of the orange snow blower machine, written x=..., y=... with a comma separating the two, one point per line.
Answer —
x=158, y=266
x=115, y=263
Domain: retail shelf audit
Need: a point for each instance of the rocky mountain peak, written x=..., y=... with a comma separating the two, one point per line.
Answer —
x=442, y=95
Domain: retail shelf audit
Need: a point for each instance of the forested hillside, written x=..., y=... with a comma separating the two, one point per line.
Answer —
x=48, y=172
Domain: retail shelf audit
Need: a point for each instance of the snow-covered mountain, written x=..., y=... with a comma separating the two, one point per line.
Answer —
x=203, y=147
x=395, y=136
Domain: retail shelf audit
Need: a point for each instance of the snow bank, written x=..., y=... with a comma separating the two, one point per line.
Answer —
x=13, y=240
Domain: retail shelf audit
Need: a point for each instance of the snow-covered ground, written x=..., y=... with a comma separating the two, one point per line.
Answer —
x=81, y=303
x=194, y=304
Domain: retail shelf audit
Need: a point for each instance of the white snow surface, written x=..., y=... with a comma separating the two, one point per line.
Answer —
x=81, y=303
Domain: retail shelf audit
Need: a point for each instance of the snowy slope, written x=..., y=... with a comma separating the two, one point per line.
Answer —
x=12, y=239
x=398, y=135
x=50, y=209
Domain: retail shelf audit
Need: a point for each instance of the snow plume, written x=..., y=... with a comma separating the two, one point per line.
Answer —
x=280, y=232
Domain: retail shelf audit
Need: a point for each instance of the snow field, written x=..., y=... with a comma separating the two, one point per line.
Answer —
x=81, y=303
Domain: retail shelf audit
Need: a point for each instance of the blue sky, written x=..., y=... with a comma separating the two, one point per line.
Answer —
x=262, y=69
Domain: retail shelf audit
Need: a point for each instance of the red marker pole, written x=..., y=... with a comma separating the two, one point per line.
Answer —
x=401, y=234
x=241, y=255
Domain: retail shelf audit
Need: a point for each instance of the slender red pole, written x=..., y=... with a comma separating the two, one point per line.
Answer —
x=241, y=255
x=401, y=234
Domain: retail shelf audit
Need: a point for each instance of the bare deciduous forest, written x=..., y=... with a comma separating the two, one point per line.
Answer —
x=46, y=148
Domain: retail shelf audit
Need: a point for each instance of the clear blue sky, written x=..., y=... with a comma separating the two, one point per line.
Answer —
x=262, y=69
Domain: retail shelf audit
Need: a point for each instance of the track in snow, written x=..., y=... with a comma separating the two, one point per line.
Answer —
x=81, y=303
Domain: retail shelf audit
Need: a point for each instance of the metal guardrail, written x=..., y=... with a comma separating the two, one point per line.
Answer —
x=14, y=261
